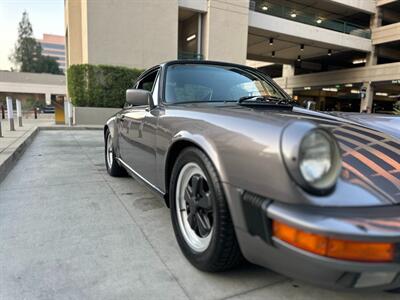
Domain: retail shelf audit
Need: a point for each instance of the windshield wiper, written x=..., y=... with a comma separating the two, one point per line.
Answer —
x=252, y=98
x=265, y=99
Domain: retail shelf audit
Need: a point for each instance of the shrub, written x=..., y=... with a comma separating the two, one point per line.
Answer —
x=99, y=85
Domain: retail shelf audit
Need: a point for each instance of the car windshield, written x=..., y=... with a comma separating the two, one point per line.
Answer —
x=214, y=83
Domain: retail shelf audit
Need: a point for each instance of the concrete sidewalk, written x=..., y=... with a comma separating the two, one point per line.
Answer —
x=69, y=231
x=13, y=143
x=10, y=138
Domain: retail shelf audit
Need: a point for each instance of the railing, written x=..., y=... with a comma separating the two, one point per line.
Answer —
x=190, y=55
x=294, y=15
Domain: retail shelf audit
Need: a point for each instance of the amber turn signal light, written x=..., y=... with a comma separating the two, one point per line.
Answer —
x=332, y=247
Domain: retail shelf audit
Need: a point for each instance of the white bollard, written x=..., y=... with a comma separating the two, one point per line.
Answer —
x=19, y=112
x=70, y=118
x=10, y=113
x=65, y=111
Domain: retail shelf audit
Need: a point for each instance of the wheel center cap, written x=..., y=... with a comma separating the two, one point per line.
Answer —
x=194, y=204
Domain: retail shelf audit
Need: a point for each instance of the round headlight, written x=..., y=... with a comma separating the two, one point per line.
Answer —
x=317, y=159
x=312, y=156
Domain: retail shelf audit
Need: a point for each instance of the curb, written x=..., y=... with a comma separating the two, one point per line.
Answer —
x=62, y=127
x=11, y=161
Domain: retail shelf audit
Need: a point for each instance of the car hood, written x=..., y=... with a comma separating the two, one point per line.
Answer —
x=371, y=157
x=389, y=124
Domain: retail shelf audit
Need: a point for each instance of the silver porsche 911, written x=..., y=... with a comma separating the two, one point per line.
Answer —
x=248, y=175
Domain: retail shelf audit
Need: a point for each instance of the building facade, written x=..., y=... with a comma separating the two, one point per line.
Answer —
x=41, y=87
x=54, y=46
x=339, y=54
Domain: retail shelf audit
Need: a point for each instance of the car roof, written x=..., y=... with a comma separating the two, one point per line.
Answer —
x=203, y=62
x=193, y=61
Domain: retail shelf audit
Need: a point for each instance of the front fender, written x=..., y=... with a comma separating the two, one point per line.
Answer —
x=202, y=143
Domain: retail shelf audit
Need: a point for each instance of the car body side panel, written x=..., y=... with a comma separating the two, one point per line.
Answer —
x=246, y=154
x=244, y=145
x=140, y=142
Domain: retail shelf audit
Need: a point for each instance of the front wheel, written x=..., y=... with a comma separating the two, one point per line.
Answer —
x=200, y=214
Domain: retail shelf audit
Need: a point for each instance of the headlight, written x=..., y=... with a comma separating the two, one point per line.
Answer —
x=317, y=159
x=312, y=157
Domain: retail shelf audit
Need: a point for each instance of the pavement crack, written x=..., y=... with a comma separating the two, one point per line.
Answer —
x=280, y=281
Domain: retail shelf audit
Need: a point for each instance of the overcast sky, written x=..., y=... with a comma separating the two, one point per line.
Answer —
x=46, y=16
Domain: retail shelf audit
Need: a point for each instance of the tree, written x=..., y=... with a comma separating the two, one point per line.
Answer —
x=47, y=64
x=27, y=56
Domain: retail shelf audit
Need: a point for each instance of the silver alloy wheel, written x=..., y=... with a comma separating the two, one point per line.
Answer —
x=194, y=207
x=110, y=152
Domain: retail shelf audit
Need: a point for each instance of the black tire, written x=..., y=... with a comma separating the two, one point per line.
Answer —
x=394, y=291
x=113, y=169
x=222, y=252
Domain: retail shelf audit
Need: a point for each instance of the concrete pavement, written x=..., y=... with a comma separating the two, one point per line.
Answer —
x=69, y=231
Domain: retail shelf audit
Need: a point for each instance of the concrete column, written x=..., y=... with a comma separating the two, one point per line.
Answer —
x=287, y=71
x=10, y=113
x=375, y=21
x=219, y=29
x=321, y=104
x=367, y=98
x=48, y=98
x=19, y=112
x=199, y=34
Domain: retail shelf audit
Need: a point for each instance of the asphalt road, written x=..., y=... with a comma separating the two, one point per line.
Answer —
x=69, y=231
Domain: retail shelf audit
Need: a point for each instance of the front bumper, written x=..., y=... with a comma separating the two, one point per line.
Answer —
x=259, y=246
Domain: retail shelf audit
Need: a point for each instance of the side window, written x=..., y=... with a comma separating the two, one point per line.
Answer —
x=147, y=82
x=155, y=89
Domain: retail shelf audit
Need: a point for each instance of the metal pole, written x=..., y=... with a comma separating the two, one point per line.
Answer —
x=3, y=115
x=1, y=135
x=35, y=112
x=19, y=112
x=10, y=113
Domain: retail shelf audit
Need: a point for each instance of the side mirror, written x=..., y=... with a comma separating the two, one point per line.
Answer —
x=139, y=97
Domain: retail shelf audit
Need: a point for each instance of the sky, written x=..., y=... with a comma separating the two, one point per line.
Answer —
x=46, y=16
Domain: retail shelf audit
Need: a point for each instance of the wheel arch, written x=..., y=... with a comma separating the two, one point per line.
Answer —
x=184, y=141
x=105, y=130
x=111, y=126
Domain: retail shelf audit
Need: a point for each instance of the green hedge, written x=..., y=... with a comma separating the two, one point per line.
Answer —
x=99, y=85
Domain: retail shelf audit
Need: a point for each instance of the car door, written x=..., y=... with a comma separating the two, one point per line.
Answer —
x=138, y=133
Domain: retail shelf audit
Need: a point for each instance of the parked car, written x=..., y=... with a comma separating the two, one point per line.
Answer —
x=306, y=194
x=48, y=109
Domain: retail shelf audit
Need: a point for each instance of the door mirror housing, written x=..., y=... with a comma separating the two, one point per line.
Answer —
x=138, y=97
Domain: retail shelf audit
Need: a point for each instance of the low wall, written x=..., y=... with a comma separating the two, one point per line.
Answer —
x=93, y=115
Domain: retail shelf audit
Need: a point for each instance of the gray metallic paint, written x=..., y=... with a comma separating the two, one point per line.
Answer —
x=244, y=145
x=240, y=150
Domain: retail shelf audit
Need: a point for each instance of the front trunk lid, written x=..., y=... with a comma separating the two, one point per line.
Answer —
x=371, y=158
